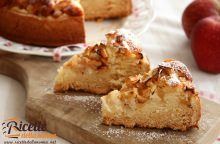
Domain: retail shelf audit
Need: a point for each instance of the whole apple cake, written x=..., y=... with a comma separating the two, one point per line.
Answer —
x=42, y=22
x=55, y=23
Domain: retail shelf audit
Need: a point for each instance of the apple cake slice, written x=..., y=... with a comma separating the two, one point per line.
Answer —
x=103, y=67
x=163, y=98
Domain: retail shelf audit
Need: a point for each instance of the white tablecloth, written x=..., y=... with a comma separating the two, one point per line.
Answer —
x=164, y=39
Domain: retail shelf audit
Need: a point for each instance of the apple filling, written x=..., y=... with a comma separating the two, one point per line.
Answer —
x=44, y=8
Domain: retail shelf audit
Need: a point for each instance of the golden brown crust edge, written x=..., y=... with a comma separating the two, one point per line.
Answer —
x=127, y=124
x=34, y=30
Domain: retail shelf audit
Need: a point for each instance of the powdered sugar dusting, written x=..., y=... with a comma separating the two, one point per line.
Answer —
x=177, y=66
x=173, y=80
x=83, y=99
x=89, y=103
x=119, y=134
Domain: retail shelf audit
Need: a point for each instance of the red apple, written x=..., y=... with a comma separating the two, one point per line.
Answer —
x=3, y=2
x=198, y=10
x=205, y=44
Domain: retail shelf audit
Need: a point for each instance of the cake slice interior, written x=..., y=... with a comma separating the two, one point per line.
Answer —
x=104, y=66
x=163, y=98
x=103, y=9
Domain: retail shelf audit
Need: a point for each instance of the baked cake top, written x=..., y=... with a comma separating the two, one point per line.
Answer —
x=169, y=76
x=124, y=39
x=120, y=43
x=44, y=8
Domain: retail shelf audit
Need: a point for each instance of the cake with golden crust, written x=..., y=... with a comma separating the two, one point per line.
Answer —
x=55, y=23
x=42, y=22
x=163, y=98
x=103, y=67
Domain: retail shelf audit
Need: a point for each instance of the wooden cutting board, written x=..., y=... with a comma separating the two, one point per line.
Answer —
x=76, y=116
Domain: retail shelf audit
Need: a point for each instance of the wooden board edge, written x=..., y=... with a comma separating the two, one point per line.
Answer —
x=15, y=71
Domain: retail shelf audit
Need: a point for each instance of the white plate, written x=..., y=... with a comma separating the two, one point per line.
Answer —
x=138, y=22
